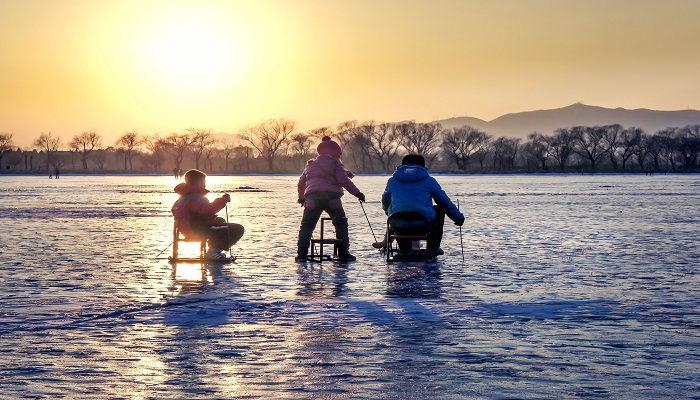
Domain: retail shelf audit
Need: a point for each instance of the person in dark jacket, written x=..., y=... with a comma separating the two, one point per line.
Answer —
x=411, y=188
x=197, y=218
x=320, y=187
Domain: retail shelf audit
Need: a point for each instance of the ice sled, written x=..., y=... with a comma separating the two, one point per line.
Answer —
x=321, y=242
x=402, y=230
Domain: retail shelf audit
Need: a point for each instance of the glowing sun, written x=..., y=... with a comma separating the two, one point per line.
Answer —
x=193, y=53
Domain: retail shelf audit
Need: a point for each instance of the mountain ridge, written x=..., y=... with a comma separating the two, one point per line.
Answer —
x=546, y=121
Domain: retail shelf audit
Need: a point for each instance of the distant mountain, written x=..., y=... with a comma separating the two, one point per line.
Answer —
x=546, y=121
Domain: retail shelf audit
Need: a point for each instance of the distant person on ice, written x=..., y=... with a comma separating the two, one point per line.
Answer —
x=197, y=216
x=411, y=188
x=320, y=188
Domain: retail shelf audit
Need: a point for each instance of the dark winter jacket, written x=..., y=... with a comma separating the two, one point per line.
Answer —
x=325, y=174
x=194, y=212
x=411, y=188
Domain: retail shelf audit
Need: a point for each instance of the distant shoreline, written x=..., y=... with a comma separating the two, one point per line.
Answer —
x=218, y=173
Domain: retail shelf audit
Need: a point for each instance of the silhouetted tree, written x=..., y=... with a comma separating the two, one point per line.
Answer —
x=687, y=144
x=50, y=144
x=588, y=143
x=227, y=151
x=127, y=144
x=154, y=159
x=360, y=141
x=538, y=147
x=652, y=146
x=202, y=143
x=269, y=137
x=209, y=154
x=504, y=152
x=629, y=142
x=667, y=142
x=176, y=144
x=423, y=139
x=611, y=135
x=301, y=148
x=5, y=144
x=243, y=154
x=460, y=144
x=383, y=144
x=561, y=147
x=355, y=143
x=84, y=143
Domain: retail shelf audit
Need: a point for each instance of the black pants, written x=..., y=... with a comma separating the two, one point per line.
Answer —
x=316, y=204
x=224, y=236
x=435, y=237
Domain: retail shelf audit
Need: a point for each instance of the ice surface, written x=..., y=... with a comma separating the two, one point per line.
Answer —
x=573, y=287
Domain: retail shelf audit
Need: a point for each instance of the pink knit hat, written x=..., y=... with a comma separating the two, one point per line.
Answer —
x=327, y=146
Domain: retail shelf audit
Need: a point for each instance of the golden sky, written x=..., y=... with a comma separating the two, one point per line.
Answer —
x=68, y=66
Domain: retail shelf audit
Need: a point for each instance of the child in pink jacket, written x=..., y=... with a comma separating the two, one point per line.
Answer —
x=320, y=189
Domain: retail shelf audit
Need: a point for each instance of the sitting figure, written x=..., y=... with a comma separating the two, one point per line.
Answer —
x=197, y=216
x=412, y=189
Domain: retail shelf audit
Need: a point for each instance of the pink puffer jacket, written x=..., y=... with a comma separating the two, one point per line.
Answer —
x=325, y=174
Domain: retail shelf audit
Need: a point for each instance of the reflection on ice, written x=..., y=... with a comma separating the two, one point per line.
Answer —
x=414, y=280
x=573, y=286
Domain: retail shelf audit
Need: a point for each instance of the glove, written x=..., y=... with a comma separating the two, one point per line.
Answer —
x=226, y=197
x=301, y=201
x=460, y=221
x=361, y=196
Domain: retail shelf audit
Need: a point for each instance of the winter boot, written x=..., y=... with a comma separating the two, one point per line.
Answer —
x=302, y=255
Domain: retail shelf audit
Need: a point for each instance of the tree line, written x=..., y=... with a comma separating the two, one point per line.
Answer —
x=276, y=145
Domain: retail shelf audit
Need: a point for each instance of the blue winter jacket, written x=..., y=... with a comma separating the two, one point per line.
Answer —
x=411, y=188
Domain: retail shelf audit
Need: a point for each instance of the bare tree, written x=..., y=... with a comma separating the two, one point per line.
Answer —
x=350, y=140
x=50, y=144
x=562, y=147
x=382, y=143
x=667, y=142
x=153, y=157
x=423, y=139
x=101, y=156
x=269, y=138
x=227, y=151
x=504, y=152
x=5, y=144
x=630, y=140
x=652, y=146
x=301, y=148
x=539, y=148
x=127, y=144
x=243, y=154
x=209, y=154
x=460, y=144
x=202, y=142
x=176, y=144
x=612, y=135
x=321, y=132
x=84, y=143
x=588, y=143
x=687, y=144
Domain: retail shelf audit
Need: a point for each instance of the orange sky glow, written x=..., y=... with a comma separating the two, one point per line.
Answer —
x=69, y=66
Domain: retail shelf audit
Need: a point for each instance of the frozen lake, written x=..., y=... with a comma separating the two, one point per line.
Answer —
x=573, y=287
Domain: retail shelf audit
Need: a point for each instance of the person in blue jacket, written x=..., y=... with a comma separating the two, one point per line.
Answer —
x=411, y=188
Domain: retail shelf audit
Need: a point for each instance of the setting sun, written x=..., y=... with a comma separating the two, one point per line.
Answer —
x=192, y=52
x=161, y=66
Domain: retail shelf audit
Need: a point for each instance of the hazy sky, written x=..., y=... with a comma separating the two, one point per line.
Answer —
x=68, y=66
